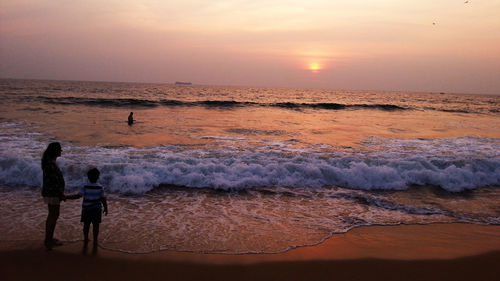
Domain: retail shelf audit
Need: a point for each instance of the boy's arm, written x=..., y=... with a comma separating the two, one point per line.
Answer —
x=105, y=205
x=77, y=195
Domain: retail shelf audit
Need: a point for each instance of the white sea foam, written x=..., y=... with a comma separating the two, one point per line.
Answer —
x=289, y=181
x=395, y=165
x=233, y=222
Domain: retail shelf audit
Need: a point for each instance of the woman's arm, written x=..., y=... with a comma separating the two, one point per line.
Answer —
x=73, y=196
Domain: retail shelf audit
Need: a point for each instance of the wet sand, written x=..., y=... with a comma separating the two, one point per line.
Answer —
x=406, y=252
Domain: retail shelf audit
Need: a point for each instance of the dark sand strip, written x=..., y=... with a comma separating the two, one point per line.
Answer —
x=418, y=252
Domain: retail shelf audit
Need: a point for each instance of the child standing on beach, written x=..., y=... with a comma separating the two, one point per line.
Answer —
x=93, y=201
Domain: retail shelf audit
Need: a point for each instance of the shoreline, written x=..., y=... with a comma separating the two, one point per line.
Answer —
x=455, y=251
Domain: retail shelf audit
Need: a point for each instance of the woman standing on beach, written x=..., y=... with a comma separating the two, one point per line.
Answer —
x=52, y=191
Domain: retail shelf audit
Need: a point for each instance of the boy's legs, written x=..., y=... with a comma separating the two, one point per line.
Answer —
x=95, y=231
x=86, y=227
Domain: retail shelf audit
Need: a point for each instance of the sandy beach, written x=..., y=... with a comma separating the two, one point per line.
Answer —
x=405, y=252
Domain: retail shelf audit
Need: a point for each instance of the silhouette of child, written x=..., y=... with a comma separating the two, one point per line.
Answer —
x=93, y=201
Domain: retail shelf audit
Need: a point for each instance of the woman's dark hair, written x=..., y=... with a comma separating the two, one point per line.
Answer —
x=51, y=152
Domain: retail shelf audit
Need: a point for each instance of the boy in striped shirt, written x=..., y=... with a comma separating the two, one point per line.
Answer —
x=93, y=201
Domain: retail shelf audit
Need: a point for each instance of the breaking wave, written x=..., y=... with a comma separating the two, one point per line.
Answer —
x=209, y=104
x=139, y=170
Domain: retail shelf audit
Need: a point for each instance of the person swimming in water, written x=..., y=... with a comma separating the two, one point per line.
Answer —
x=131, y=118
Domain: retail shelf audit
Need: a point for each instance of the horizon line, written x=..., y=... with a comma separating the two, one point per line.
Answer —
x=251, y=86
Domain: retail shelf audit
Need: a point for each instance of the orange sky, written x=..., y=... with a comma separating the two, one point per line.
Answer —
x=426, y=45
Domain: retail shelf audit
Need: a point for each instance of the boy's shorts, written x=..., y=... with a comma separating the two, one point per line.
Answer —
x=92, y=215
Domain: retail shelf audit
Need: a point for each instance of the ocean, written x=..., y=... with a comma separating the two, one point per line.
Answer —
x=233, y=170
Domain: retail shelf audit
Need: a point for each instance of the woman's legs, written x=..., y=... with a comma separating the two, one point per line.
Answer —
x=50, y=224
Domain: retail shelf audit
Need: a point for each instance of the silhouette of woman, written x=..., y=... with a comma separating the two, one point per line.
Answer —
x=52, y=191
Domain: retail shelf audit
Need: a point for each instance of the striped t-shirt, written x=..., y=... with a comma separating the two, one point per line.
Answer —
x=92, y=195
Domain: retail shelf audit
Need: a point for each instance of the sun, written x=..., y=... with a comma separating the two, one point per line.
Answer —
x=314, y=67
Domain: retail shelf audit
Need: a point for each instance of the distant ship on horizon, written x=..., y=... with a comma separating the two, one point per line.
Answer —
x=183, y=83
